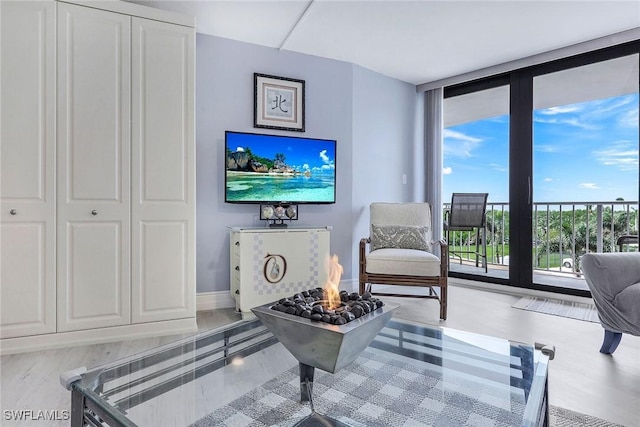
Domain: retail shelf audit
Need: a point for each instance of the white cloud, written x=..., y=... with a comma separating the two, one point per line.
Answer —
x=240, y=149
x=621, y=154
x=571, y=121
x=610, y=106
x=629, y=119
x=592, y=115
x=324, y=157
x=548, y=179
x=546, y=148
x=328, y=163
x=563, y=109
x=447, y=170
x=458, y=144
x=305, y=166
x=589, y=185
x=498, y=167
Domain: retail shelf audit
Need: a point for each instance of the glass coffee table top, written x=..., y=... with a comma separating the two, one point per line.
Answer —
x=411, y=374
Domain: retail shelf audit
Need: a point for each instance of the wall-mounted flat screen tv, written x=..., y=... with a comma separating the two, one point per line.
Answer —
x=279, y=169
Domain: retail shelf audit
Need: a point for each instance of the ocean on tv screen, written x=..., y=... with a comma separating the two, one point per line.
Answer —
x=256, y=187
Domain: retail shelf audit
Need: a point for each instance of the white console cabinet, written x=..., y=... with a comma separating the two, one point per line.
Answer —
x=97, y=172
x=269, y=264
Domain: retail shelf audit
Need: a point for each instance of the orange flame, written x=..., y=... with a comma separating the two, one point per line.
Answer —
x=333, y=282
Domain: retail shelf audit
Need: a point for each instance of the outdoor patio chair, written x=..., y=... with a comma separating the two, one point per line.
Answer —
x=467, y=213
x=401, y=252
x=614, y=281
x=626, y=239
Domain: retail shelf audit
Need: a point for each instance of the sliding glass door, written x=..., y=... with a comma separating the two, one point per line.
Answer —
x=585, y=165
x=476, y=160
x=556, y=147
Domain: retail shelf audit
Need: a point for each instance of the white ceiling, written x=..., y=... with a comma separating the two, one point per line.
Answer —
x=414, y=41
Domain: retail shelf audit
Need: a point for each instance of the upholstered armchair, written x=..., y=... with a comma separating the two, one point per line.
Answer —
x=399, y=251
x=614, y=281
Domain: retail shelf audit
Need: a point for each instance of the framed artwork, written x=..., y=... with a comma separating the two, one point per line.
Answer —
x=278, y=103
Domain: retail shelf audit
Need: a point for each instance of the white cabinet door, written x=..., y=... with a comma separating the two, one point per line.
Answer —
x=163, y=164
x=267, y=265
x=93, y=168
x=27, y=196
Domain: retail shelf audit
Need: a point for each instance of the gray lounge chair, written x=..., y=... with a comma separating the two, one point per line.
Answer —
x=614, y=281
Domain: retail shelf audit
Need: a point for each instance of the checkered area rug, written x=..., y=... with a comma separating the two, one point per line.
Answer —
x=377, y=390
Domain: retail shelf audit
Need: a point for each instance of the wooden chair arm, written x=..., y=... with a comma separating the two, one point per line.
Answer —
x=363, y=245
x=362, y=254
x=444, y=256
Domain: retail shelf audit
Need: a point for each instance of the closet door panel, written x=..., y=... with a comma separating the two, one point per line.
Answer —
x=93, y=168
x=163, y=182
x=93, y=282
x=27, y=165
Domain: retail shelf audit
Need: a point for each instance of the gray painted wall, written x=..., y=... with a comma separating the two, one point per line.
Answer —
x=384, y=132
x=372, y=117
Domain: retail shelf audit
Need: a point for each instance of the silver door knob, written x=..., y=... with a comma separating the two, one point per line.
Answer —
x=94, y=212
x=13, y=212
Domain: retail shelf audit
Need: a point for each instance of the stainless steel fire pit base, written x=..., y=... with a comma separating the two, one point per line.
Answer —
x=317, y=420
x=322, y=345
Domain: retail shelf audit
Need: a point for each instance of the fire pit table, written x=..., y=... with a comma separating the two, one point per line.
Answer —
x=240, y=374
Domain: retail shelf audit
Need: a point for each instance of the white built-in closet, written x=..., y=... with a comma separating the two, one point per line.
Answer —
x=97, y=172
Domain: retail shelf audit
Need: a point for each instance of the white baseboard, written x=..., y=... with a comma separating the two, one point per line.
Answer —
x=96, y=336
x=214, y=300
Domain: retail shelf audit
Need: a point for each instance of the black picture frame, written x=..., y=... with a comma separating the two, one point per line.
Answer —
x=278, y=103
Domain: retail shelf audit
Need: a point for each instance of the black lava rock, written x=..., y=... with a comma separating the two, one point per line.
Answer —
x=357, y=311
x=316, y=316
x=305, y=304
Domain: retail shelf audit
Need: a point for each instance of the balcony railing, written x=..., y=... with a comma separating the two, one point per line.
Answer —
x=562, y=233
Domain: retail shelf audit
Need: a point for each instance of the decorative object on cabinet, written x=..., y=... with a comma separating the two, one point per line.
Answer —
x=278, y=103
x=278, y=213
x=268, y=264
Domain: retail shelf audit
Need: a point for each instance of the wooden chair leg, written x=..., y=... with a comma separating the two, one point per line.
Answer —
x=443, y=303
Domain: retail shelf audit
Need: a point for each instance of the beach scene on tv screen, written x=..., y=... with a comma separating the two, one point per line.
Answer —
x=268, y=168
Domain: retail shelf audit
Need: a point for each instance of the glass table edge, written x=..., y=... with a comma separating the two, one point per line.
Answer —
x=90, y=382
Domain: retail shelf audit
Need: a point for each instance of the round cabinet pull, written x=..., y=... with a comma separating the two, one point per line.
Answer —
x=94, y=212
x=13, y=212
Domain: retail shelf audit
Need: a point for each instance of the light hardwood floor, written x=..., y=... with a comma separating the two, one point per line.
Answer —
x=580, y=378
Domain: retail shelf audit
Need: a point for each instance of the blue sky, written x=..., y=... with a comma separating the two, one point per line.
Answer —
x=302, y=154
x=582, y=152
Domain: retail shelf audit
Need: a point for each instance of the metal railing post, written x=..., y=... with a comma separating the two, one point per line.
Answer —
x=599, y=227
